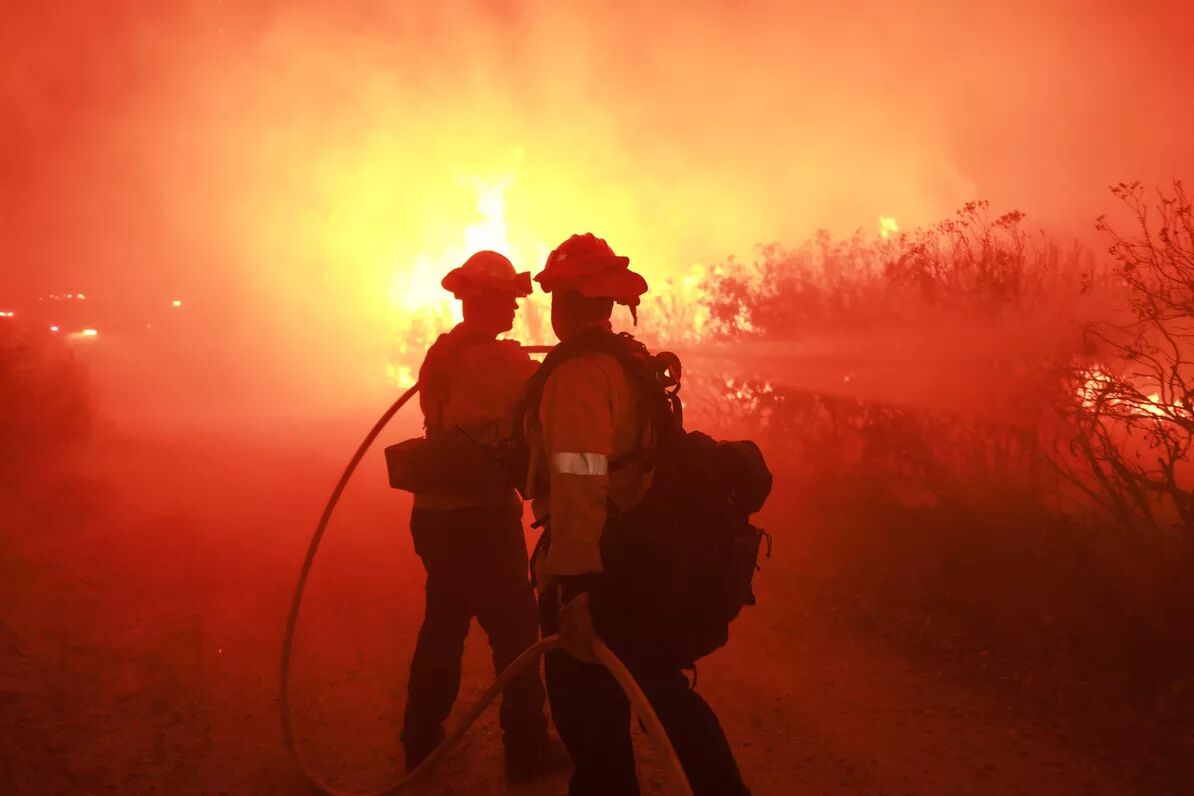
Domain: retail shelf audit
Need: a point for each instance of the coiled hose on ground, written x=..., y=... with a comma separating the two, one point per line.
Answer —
x=408, y=783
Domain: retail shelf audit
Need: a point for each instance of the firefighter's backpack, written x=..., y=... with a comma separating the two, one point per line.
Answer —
x=444, y=458
x=679, y=565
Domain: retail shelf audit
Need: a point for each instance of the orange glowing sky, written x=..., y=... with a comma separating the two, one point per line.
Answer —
x=296, y=168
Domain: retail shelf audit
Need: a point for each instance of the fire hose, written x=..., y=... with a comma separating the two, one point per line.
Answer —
x=640, y=705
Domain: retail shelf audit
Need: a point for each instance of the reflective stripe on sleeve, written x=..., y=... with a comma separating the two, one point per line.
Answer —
x=580, y=463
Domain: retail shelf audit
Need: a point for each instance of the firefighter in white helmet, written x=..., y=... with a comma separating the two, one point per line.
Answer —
x=584, y=436
x=470, y=538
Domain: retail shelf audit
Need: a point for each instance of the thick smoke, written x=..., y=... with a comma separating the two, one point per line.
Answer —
x=297, y=175
x=283, y=165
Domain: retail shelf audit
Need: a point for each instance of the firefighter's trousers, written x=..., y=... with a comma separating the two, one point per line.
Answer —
x=476, y=564
x=592, y=715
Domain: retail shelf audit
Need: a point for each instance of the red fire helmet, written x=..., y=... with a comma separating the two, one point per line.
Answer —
x=587, y=264
x=487, y=272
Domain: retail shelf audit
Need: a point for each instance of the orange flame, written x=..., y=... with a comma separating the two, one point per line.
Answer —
x=1097, y=388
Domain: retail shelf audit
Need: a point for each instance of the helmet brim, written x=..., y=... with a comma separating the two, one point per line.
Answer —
x=461, y=283
x=615, y=281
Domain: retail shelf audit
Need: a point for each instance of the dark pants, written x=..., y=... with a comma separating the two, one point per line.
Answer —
x=593, y=718
x=476, y=562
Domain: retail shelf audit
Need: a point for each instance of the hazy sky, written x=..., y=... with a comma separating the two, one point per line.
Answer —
x=298, y=157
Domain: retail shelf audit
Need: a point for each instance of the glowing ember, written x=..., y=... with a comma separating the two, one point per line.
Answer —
x=54, y=328
x=176, y=303
x=1100, y=389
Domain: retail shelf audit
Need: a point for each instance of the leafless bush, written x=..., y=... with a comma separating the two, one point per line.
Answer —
x=787, y=292
x=1132, y=405
x=989, y=267
x=1031, y=538
x=968, y=264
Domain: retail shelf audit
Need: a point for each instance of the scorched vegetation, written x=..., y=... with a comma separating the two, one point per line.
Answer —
x=987, y=442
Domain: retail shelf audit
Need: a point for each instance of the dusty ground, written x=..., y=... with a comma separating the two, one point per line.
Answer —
x=141, y=616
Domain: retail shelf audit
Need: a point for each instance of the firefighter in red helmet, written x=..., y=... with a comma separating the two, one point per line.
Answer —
x=470, y=537
x=590, y=462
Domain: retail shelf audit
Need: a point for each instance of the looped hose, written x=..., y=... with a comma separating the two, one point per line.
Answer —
x=406, y=784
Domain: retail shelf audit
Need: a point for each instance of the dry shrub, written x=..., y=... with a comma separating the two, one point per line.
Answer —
x=967, y=266
x=1132, y=403
x=1034, y=550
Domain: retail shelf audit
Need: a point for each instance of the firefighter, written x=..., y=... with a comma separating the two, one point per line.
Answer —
x=587, y=418
x=470, y=538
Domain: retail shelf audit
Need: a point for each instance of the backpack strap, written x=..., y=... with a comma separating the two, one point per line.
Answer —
x=654, y=379
x=439, y=365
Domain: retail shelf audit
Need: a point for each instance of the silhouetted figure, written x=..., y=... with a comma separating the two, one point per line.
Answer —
x=590, y=462
x=470, y=537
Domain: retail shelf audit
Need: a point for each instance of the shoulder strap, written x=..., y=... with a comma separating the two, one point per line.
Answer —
x=439, y=364
x=655, y=380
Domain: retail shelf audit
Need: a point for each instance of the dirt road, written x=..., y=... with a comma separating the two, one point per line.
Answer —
x=141, y=616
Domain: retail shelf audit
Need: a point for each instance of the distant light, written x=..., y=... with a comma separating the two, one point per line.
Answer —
x=80, y=296
x=176, y=303
x=53, y=327
x=7, y=314
x=90, y=332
